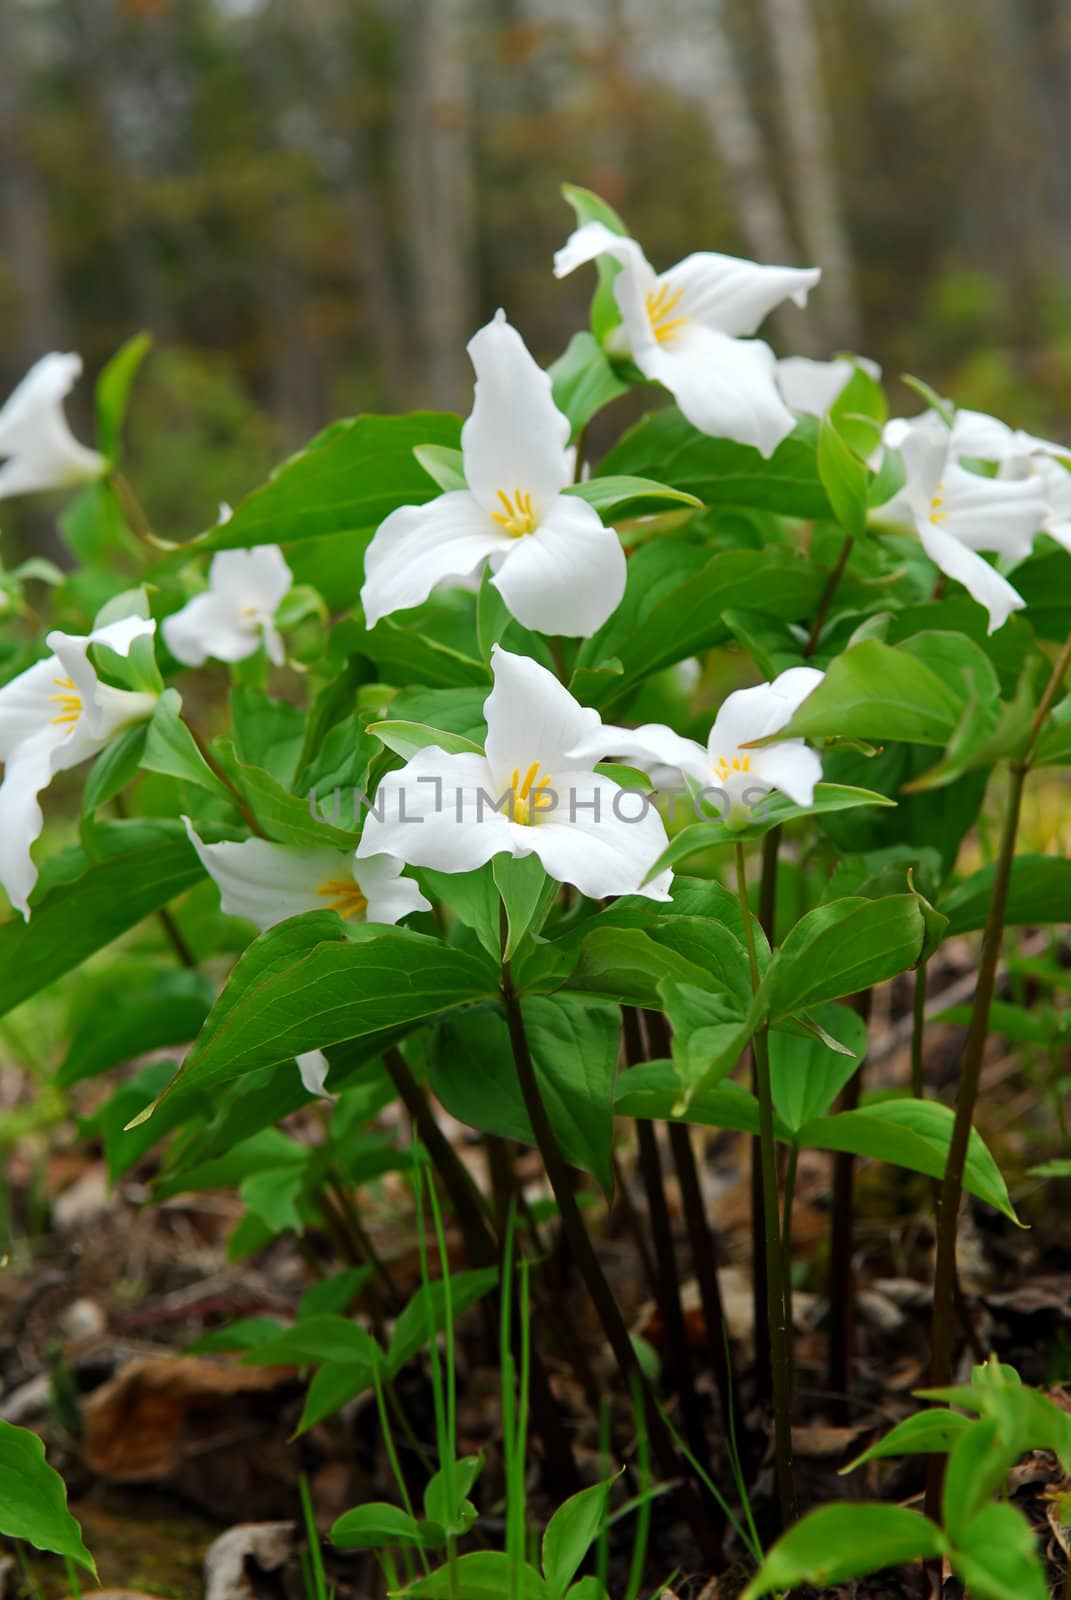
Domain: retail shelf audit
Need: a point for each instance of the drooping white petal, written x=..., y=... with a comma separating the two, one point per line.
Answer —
x=731, y=295
x=418, y=547
x=515, y=439
x=793, y=767
x=430, y=814
x=390, y=897
x=266, y=882
x=567, y=576
x=992, y=513
x=314, y=1066
x=41, y=450
x=533, y=717
x=975, y=433
x=655, y=745
x=1055, y=480
x=812, y=386
x=982, y=582
x=28, y=772
x=726, y=387
x=599, y=838
x=105, y=710
x=594, y=239
x=750, y=714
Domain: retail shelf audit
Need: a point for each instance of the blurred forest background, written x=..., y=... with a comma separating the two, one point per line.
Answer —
x=313, y=203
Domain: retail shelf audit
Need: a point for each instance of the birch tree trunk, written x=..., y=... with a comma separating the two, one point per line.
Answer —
x=34, y=320
x=808, y=150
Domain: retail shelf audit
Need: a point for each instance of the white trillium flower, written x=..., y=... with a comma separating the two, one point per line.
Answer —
x=236, y=611
x=683, y=328
x=533, y=792
x=958, y=513
x=738, y=775
x=1021, y=455
x=266, y=882
x=815, y=386
x=556, y=566
x=40, y=449
x=52, y=717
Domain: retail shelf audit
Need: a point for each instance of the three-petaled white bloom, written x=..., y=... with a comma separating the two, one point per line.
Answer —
x=41, y=451
x=727, y=772
x=683, y=329
x=53, y=716
x=958, y=513
x=557, y=567
x=814, y=386
x=533, y=792
x=236, y=611
x=267, y=883
x=1020, y=455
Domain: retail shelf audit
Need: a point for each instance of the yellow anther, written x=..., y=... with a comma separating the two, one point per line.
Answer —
x=936, y=514
x=738, y=764
x=70, y=704
x=525, y=804
x=517, y=516
x=660, y=302
x=345, y=897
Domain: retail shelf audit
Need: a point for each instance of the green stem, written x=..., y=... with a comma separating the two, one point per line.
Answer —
x=971, y=1069
x=205, y=752
x=832, y=584
x=776, y=1311
x=587, y=1262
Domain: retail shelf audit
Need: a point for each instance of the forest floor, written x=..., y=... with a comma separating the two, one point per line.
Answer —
x=162, y=1456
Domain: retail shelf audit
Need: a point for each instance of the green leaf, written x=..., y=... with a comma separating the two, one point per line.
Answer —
x=1040, y=891
x=273, y=1197
x=977, y=1466
x=914, y=1134
x=455, y=1514
x=113, y=392
x=569, y=1535
x=879, y=691
x=610, y=496
x=304, y=986
x=584, y=381
x=653, y=1091
x=114, y=768
x=526, y=893
x=930, y=1432
x=446, y=466
x=314, y=1339
x=720, y=472
x=998, y=1557
x=709, y=1034
x=844, y=478
x=346, y=484
x=425, y=1314
x=574, y=1045
x=806, y=1074
x=33, y=1499
x=843, y=947
x=171, y=749
x=334, y=1294
x=333, y=1386
x=371, y=1526
x=844, y=1541
x=169, y=1011
x=80, y=906
x=770, y=810
x=479, y=1575
x=406, y=739
x=589, y=207
x=286, y=817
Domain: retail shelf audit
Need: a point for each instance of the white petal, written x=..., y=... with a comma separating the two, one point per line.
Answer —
x=812, y=386
x=105, y=710
x=208, y=625
x=533, y=717
x=725, y=387
x=120, y=635
x=418, y=547
x=266, y=883
x=390, y=896
x=655, y=745
x=594, y=239
x=254, y=580
x=733, y=296
x=603, y=853
x=27, y=772
x=43, y=452
x=429, y=814
x=926, y=445
x=979, y=579
x=26, y=704
x=750, y=714
x=314, y=1066
x=793, y=687
x=566, y=577
x=791, y=767
x=992, y=513
x=515, y=438
x=974, y=433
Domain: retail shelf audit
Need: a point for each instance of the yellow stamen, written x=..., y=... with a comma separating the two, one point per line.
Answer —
x=517, y=516
x=738, y=764
x=70, y=704
x=525, y=806
x=936, y=514
x=660, y=302
x=347, y=898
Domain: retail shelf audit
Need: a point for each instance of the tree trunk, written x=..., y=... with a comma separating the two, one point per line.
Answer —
x=34, y=320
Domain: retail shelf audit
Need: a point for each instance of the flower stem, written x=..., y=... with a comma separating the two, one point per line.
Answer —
x=918, y=1027
x=587, y=1262
x=780, y=1351
x=205, y=752
x=826, y=600
x=971, y=1068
